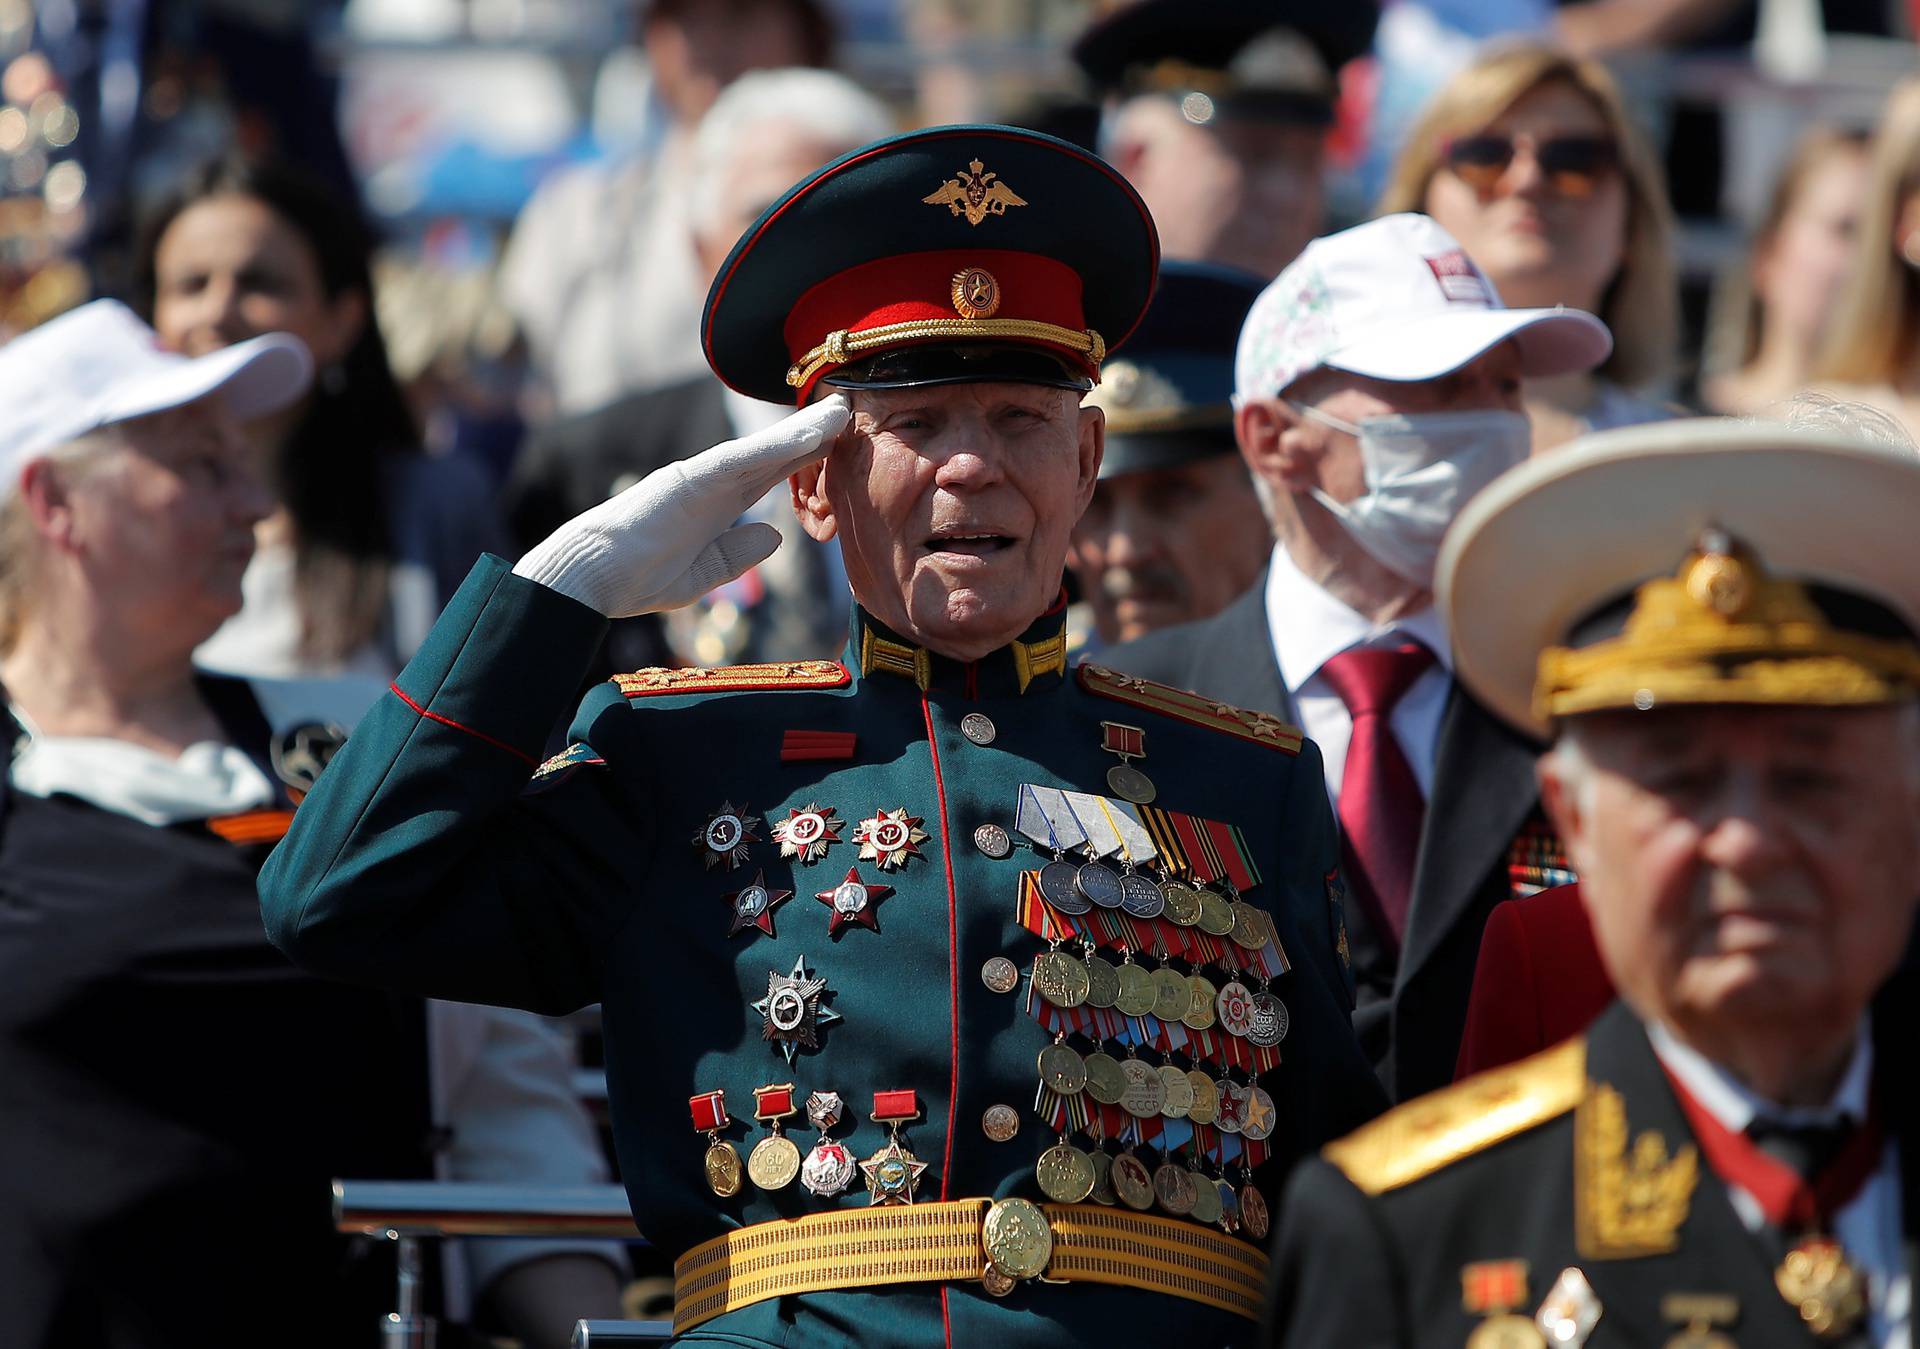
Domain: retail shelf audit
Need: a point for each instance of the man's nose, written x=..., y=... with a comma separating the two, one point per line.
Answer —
x=1745, y=832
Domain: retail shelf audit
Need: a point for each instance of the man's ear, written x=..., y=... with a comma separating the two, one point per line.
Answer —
x=810, y=504
x=1560, y=799
x=1093, y=449
x=1280, y=446
x=47, y=495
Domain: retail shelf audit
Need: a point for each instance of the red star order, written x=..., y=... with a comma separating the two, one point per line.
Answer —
x=858, y=907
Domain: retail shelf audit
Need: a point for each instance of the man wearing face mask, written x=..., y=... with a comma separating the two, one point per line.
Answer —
x=1377, y=388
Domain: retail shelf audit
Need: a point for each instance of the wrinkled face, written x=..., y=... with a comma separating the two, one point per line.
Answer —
x=229, y=268
x=1801, y=268
x=953, y=505
x=1489, y=382
x=163, y=524
x=1746, y=867
x=1169, y=545
x=1540, y=245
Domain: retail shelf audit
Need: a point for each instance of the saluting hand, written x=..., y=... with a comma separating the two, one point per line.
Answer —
x=671, y=537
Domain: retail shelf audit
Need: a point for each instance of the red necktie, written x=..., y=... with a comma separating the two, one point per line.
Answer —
x=1380, y=802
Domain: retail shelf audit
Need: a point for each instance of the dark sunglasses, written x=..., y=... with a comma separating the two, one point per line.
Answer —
x=1574, y=165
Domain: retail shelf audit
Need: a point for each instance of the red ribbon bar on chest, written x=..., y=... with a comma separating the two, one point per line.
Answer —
x=813, y=746
x=891, y=1107
x=709, y=1111
x=1129, y=741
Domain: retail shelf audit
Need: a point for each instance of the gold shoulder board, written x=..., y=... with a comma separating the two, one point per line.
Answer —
x=1260, y=727
x=1425, y=1135
x=789, y=674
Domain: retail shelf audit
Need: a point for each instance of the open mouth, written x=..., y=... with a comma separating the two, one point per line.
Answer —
x=970, y=544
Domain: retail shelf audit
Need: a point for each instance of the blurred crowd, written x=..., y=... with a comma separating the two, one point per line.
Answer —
x=1732, y=187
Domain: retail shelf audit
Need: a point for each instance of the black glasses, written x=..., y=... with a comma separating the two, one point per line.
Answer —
x=1573, y=165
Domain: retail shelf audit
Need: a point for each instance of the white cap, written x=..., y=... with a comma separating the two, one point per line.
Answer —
x=99, y=364
x=1397, y=298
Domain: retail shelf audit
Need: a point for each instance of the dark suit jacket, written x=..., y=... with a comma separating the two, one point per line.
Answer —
x=1411, y=1010
x=570, y=465
x=1373, y=1241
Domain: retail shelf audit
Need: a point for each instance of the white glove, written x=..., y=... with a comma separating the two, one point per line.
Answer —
x=670, y=538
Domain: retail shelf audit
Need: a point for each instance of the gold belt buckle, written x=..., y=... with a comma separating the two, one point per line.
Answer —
x=1018, y=1243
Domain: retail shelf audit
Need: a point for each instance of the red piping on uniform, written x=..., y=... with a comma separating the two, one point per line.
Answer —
x=477, y=735
x=953, y=951
x=946, y=1321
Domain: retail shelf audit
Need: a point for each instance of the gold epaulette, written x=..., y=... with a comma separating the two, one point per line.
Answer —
x=1260, y=727
x=1423, y=1136
x=787, y=674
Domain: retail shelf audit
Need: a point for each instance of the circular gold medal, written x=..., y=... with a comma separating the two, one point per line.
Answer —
x=1000, y=1122
x=1132, y=1183
x=1103, y=982
x=1253, y=1212
x=1061, y=979
x=723, y=1170
x=1183, y=903
x=1206, y=1199
x=1173, y=1187
x=774, y=1162
x=1249, y=930
x=1105, y=1082
x=1200, y=995
x=1065, y=1173
x=1506, y=1331
x=1170, y=994
x=1000, y=974
x=1179, y=1092
x=1206, y=1098
x=1063, y=1070
x=1103, y=1192
x=1136, y=990
x=1016, y=1238
x=1145, y=1093
x=1216, y=917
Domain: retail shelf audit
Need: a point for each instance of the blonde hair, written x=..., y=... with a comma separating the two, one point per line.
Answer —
x=1734, y=322
x=1875, y=319
x=1641, y=303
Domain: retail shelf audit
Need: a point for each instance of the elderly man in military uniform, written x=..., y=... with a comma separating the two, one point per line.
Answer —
x=1175, y=530
x=950, y=996
x=1726, y=649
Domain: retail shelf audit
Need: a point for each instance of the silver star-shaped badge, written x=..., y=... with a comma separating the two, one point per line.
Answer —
x=792, y=1010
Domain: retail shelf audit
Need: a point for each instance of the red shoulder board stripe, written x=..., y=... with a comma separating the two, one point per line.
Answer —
x=790, y=674
x=1259, y=727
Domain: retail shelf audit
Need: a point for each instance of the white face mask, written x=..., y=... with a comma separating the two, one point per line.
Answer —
x=1421, y=469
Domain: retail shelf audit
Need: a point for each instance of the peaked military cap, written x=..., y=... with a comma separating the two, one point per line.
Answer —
x=1691, y=562
x=1248, y=58
x=951, y=255
x=1168, y=400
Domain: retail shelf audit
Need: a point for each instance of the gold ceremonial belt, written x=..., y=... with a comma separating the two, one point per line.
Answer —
x=997, y=1242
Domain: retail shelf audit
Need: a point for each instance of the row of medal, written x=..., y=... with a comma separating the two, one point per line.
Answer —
x=1165, y=887
x=888, y=839
x=829, y=1168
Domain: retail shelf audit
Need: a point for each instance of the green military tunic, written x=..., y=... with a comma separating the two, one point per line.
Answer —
x=427, y=859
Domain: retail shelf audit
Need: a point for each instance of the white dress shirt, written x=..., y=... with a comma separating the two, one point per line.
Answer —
x=1869, y=1226
x=1309, y=628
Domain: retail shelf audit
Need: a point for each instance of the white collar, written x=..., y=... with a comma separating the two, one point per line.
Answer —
x=1735, y=1105
x=1310, y=627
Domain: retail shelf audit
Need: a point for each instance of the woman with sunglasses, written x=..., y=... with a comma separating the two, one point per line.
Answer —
x=1528, y=158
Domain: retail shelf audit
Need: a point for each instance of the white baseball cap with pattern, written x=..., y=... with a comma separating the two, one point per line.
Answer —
x=1397, y=299
x=99, y=365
